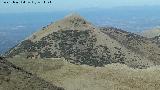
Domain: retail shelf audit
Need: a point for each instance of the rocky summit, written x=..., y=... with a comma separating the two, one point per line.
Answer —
x=80, y=42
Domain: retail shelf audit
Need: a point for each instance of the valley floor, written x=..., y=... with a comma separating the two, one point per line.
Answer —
x=83, y=77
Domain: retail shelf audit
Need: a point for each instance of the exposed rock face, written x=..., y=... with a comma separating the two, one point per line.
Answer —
x=80, y=42
x=15, y=78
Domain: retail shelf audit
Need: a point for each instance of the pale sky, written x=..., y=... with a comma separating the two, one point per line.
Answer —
x=72, y=5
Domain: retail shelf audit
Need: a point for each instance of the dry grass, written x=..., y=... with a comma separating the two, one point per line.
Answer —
x=151, y=33
x=15, y=78
x=76, y=77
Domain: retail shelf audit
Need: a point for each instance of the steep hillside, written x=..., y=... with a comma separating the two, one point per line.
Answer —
x=136, y=43
x=83, y=77
x=15, y=78
x=79, y=42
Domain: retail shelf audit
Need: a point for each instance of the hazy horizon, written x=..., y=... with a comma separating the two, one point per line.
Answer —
x=72, y=5
x=16, y=24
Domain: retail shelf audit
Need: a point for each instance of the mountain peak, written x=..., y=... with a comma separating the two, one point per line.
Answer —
x=74, y=15
x=75, y=19
x=72, y=21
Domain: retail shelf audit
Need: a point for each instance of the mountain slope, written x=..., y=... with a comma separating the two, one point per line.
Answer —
x=79, y=42
x=136, y=43
x=15, y=78
x=83, y=77
x=151, y=33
